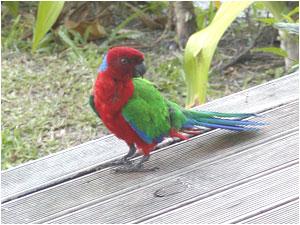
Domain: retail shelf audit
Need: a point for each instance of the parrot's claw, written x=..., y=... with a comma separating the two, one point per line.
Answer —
x=118, y=162
x=138, y=167
x=134, y=155
x=134, y=168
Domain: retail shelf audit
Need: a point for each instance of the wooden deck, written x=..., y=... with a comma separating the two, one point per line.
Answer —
x=216, y=177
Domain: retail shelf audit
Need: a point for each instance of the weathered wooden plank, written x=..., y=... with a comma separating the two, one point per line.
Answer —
x=198, y=182
x=249, y=197
x=57, y=167
x=174, y=160
x=259, y=98
x=64, y=165
x=284, y=214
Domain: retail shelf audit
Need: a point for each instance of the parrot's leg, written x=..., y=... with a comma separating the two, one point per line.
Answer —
x=125, y=159
x=131, y=152
x=138, y=167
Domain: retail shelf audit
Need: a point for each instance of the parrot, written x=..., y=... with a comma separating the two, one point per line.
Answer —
x=134, y=110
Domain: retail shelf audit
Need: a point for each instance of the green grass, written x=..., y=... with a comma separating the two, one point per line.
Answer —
x=44, y=106
x=168, y=77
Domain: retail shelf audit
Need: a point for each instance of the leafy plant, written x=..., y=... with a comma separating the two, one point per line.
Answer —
x=63, y=34
x=156, y=6
x=273, y=50
x=14, y=32
x=283, y=20
x=200, y=49
x=205, y=16
x=48, y=13
x=114, y=36
x=201, y=45
x=290, y=27
x=13, y=7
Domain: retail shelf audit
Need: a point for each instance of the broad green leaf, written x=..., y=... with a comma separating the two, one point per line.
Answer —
x=287, y=19
x=13, y=7
x=48, y=13
x=273, y=50
x=294, y=11
x=200, y=17
x=276, y=8
x=200, y=49
x=259, y=5
x=288, y=16
x=295, y=67
x=281, y=12
x=268, y=21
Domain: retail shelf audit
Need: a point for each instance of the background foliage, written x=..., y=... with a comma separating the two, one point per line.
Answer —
x=47, y=74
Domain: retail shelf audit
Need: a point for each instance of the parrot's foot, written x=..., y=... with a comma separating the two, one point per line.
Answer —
x=139, y=167
x=118, y=162
x=125, y=160
x=134, y=155
x=134, y=168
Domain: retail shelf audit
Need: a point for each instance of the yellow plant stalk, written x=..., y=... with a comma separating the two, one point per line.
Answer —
x=200, y=49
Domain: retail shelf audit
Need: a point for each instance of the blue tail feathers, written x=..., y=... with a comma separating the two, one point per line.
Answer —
x=214, y=120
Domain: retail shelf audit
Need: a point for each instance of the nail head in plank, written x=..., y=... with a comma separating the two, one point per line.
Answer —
x=204, y=182
x=238, y=201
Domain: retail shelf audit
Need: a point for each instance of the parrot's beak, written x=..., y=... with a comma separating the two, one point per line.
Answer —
x=139, y=70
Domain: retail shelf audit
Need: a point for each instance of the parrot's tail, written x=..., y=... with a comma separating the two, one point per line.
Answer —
x=228, y=121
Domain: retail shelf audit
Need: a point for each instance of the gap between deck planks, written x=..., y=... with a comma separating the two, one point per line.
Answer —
x=225, y=207
x=279, y=215
x=103, y=192
x=204, y=181
x=57, y=168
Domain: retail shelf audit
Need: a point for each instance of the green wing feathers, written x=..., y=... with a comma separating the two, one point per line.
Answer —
x=177, y=117
x=152, y=117
x=92, y=104
x=147, y=112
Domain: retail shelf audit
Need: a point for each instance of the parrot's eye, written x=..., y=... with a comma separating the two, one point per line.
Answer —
x=124, y=61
